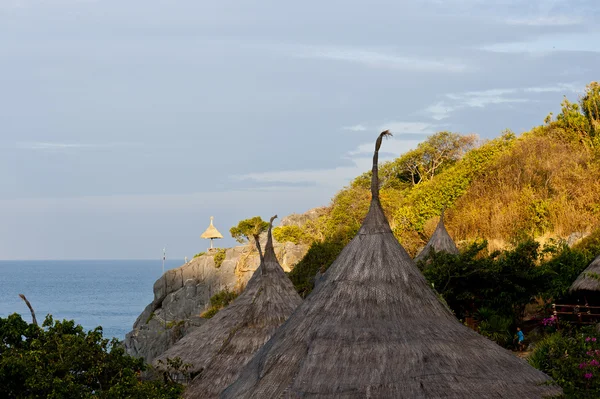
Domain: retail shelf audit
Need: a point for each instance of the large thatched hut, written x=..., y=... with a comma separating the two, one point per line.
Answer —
x=440, y=241
x=223, y=345
x=375, y=329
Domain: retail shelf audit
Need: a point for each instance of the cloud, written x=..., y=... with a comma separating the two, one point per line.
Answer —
x=355, y=128
x=557, y=20
x=481, y=99
x=378, y=59
x=583, y=42
x=404, y=128
x=49, y=146
x=408, y=127
x=334, y=178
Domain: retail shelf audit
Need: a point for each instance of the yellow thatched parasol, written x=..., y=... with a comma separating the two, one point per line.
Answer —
x=211, y=233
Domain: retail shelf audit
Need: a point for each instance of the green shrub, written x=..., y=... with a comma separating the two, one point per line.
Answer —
x=219, y=257
x=218, y=301
x=62, y=360
x=293, y=234
x=319, y=257
x=199, y=254
x=572, y=359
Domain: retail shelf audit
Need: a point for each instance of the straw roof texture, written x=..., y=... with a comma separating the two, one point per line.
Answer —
x=375, y=329
x=224, y=344
x=589, y=279
x=440, y=241
x=211, y=231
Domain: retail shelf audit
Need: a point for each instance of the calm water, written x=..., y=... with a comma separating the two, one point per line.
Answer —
x=110, y=293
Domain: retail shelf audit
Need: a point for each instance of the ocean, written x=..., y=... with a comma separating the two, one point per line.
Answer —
x=107, y=293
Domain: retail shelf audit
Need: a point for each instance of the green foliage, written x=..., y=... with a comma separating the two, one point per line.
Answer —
x=219, y=257
x=319, y=257
x=62, y=360
x=571, y=119
x=293, y=234
x=218, y=301
x=572, y=359
x=429, y=158
x=494, y=326
x=248, y=228
x=504, y=282
x=562, y=269
x=590, y=105
x=590, y=245
x=199, y=254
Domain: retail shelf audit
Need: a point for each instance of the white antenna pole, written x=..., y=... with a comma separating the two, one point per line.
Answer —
x=164, y=257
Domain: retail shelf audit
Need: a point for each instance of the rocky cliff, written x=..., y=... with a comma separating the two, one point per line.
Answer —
x=182, y=294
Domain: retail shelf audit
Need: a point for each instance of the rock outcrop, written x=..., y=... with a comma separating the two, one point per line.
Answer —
x=182, y=294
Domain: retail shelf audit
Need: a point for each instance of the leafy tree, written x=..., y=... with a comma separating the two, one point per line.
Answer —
x=590, y=105
x=249, y=228
x=571, y=119
x=319, y=257
x=504, y=282
x=62, y=360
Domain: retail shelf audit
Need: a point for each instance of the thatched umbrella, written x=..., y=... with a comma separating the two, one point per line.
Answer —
x=375, y=329
x=589, y=279
x=211, y=233
x=220, y=347
x=440, y=241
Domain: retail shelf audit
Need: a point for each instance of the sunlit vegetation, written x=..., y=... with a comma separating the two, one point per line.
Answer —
x=218, y=301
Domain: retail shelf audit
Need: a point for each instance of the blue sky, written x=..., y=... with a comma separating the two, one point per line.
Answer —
x=124, y=125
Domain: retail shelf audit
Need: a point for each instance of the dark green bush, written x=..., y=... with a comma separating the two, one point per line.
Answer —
x=218, y=301
x=219, y=257
x=62, y=360
x=319, y=257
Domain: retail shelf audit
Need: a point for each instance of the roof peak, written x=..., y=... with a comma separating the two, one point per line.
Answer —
x=375, y=221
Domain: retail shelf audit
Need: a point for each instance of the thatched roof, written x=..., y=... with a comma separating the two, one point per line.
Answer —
x=224, y=344
x=589, y=279
x=440, y=241
x=211, y=231
x=375, y=329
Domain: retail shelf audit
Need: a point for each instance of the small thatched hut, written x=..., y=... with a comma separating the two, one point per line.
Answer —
x=588, y=282
x=220, y=347
x=375, y=329
x=440, y=241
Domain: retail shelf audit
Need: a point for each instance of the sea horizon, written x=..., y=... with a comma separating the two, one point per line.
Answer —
x=93, y=292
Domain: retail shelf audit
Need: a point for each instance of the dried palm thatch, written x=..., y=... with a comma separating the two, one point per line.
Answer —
x=375, y=329
x=223, y=345
x=440, y=241
x=589, y=279
x=211, y=232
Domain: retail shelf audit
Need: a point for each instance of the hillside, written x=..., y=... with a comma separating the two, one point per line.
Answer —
x=543, y=183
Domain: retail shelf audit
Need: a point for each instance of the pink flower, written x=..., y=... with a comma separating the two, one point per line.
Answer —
x=594, y=363
x=587, y=339
x=582, y=365
x=593, y=339
x=588, y=375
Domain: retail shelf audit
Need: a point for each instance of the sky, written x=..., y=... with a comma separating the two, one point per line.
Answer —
x=125, y=125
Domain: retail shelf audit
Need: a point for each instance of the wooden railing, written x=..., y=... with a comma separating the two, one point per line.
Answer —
x=580, y=314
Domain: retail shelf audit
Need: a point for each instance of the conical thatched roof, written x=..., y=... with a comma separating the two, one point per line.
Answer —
x=211, y=231
x=224, y=344
x=589, y=279
x=440, y=241
x=375, y=329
